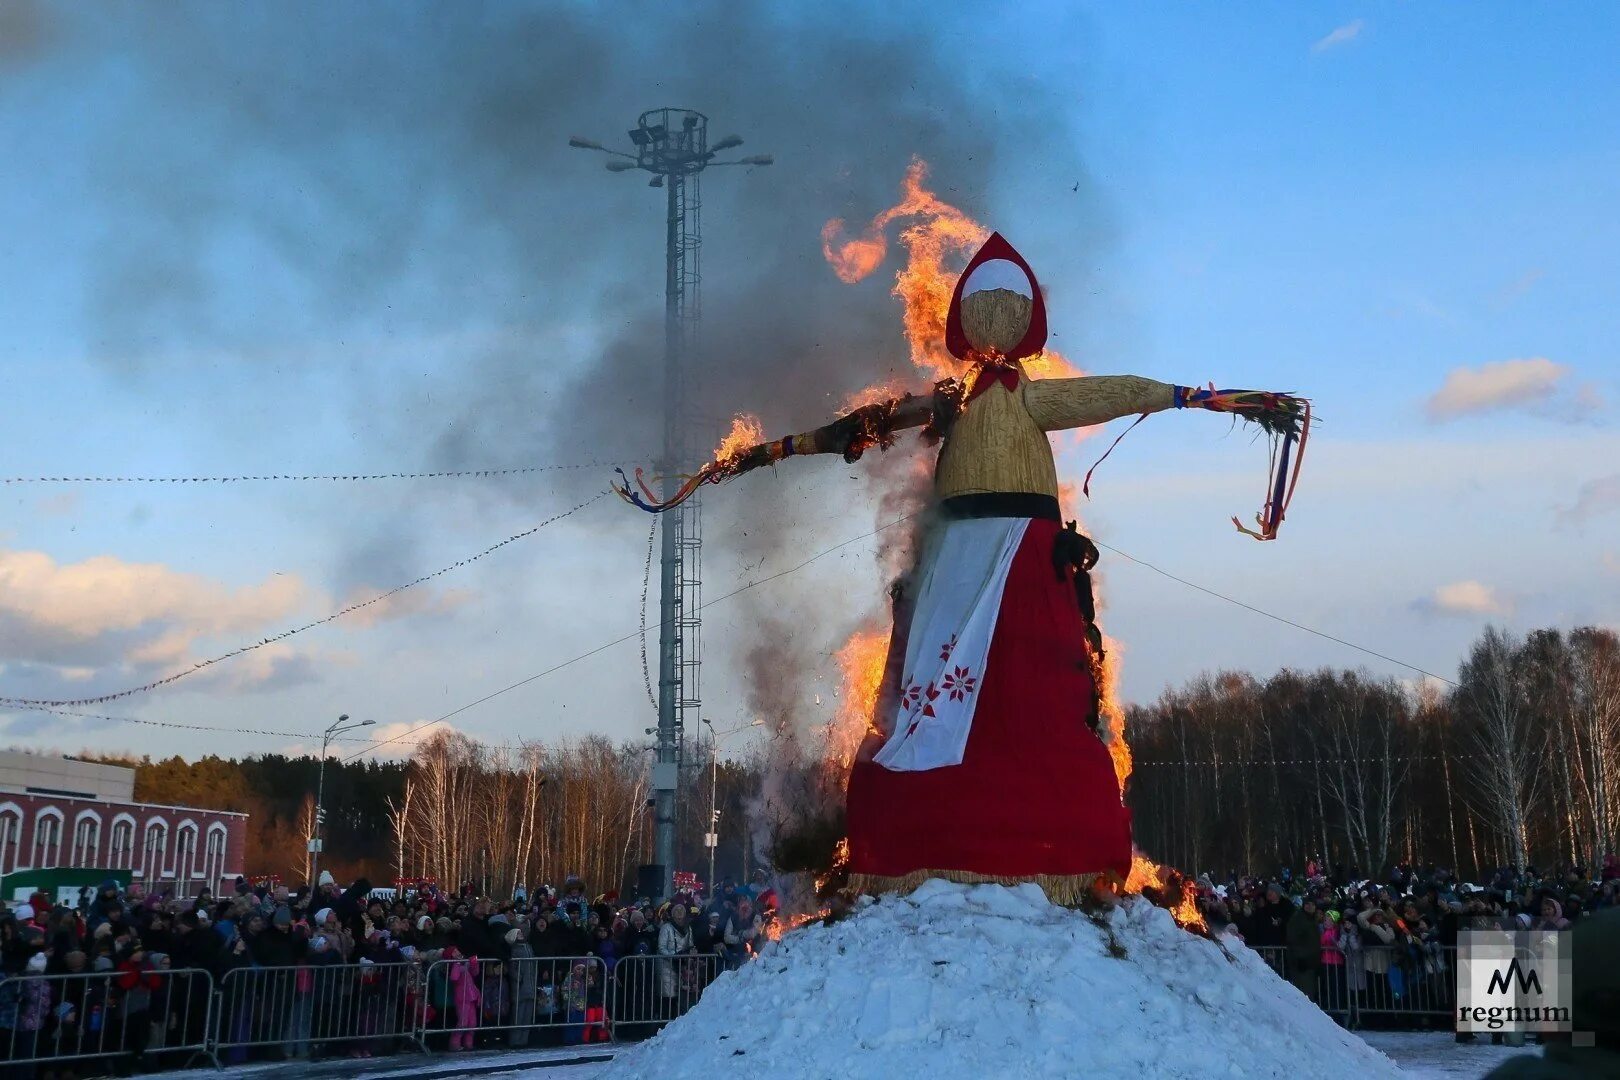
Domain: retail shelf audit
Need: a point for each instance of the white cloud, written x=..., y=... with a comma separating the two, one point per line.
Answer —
x=74, y=628
x=1340, y=36
x=104, y=594
x=1466, y=598
x=1532, y=384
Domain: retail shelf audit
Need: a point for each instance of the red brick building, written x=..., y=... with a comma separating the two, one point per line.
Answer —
x=58, y=813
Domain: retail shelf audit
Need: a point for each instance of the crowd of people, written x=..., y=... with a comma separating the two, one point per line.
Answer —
x=1383, y=945
x=323, y=969
x=313, y=971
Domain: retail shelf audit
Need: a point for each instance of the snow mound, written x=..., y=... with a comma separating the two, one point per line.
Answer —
x=981, y=980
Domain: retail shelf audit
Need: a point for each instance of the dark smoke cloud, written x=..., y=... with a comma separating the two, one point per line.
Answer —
x=381, y=178
x=396, y=182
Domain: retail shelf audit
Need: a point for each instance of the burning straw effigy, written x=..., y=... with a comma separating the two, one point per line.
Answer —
x=984, y=758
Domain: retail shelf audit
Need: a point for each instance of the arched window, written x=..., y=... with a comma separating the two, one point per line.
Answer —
x=214, y=857
x=11, y=829
x=87, y=839
x=121, y=855
x=153, y=848
x=47, y=838
x=185, y=856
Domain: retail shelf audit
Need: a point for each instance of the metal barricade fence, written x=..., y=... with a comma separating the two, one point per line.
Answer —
x=310, y=1009
x=539, y=1000
x=648, y=992
x=1423, y=984
x=155, y=1019
x=1416, y=981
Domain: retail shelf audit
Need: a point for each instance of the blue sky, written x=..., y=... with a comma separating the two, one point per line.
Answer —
x=280, y=240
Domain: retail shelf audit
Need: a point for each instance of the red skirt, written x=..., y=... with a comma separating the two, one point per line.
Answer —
x=1035, y=793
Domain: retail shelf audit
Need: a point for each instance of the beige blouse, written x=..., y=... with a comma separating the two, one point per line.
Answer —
x=999, y=443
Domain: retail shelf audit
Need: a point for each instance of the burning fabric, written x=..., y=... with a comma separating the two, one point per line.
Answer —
x=973, y=981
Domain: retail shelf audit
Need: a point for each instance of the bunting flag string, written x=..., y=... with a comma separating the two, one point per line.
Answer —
x=338, y=477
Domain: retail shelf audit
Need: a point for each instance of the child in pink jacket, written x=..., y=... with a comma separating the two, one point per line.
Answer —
x=464, y=993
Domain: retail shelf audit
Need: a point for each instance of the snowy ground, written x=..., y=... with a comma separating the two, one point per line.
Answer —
x=1432, y=1055
x=1420, y=1055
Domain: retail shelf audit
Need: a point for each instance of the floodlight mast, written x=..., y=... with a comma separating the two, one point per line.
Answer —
x=672, y=145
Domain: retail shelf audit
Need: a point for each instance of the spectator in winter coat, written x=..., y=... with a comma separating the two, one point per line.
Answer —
x=465, y=995
x=337, y=935
x=643, y=938
x=1304, y=940
x=1379, y=939
x=137, y=984
x=1552, y=916
x=33, y=1008
x=1268, y=925
x=741, y=932
x=522, y=985
x=106, y=900
x=478, y=937
x=674, y=940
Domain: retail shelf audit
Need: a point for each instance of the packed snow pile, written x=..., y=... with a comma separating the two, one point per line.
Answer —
x=981, y=980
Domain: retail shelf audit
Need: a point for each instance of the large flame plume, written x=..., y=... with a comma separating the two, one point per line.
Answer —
x=936, y=234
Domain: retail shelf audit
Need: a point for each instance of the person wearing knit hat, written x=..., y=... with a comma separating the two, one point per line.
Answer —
x=325, y=878
x=282, y=919
x=37, y=962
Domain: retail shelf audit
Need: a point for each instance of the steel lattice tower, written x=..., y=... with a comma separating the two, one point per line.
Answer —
x=672, y=144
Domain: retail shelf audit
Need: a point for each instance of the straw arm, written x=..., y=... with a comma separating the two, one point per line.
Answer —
x=850, y=435
x=1058, y=404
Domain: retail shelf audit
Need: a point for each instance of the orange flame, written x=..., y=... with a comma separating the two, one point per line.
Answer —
x=861, y=660
x=746, y=433
x=840, y=860
x=1147, y=874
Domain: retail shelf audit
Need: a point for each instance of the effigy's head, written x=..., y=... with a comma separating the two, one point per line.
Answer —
x=997, y=309
x=995, y=320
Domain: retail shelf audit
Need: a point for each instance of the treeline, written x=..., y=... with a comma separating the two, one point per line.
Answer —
x=278, y=794
x=1516, y=764
x=459, y=811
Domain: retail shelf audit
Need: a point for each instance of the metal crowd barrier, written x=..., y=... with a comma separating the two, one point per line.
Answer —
x=650, y=991
x=306, y=1011
x=1418, y=982
x=169, y=1019
x=156, y=1019
x=1423, y=985
x=553, y=1001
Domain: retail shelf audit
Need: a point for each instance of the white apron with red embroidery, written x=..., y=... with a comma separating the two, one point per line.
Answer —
x=963, y=575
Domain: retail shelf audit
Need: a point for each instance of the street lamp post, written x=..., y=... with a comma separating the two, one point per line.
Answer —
x=339, y=726
x=711, y=839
